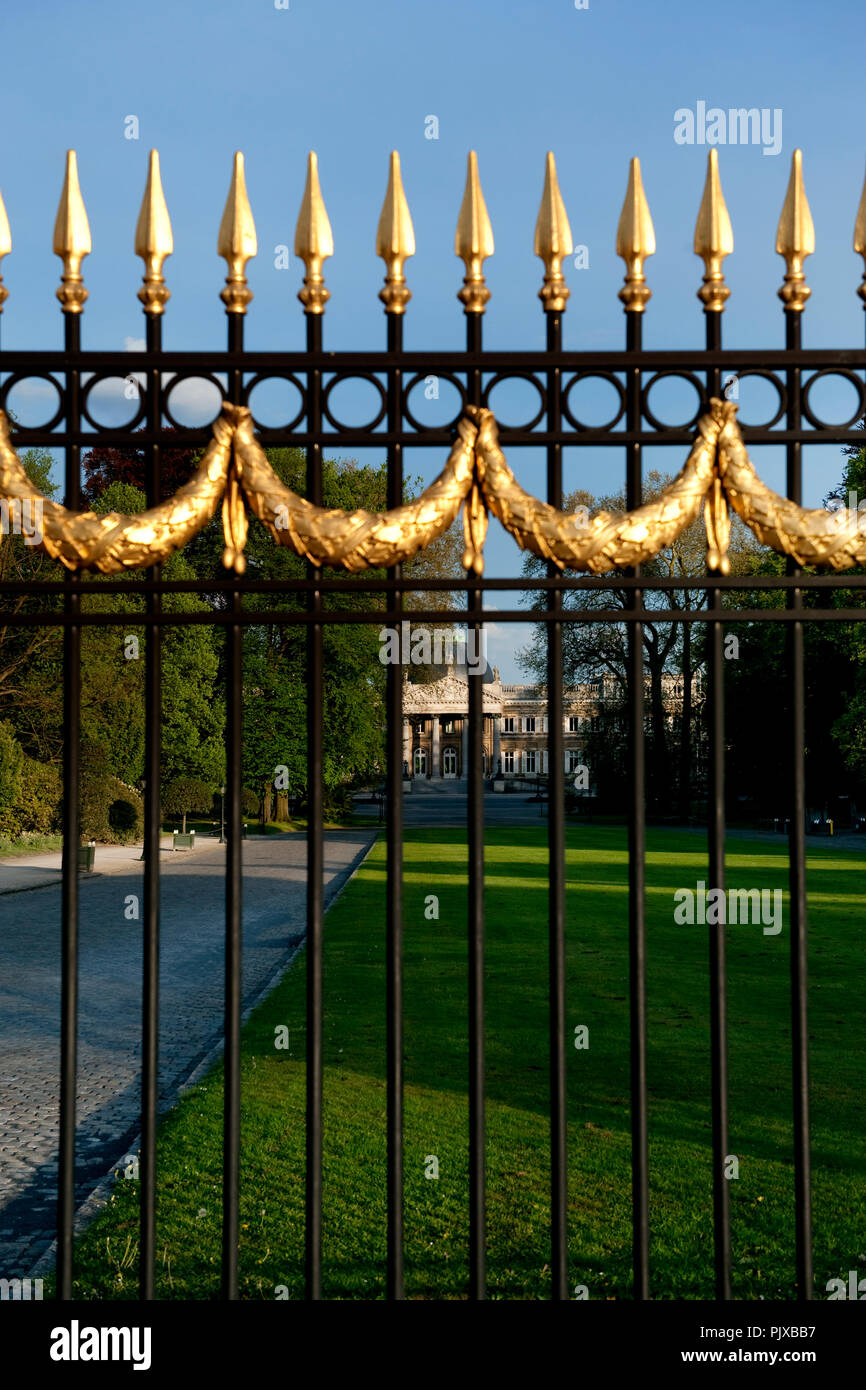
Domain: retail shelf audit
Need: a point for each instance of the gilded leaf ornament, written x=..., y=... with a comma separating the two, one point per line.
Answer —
x=810, y=536
x=114, y=542
x=354, y=540
x=610, y=540
x=717, y=473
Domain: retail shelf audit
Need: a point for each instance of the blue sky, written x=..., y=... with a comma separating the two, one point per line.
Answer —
x=511, y=80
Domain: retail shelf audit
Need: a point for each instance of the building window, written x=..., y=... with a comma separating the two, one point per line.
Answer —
x=529, y=725
x=574, y=723
x=508, y=724
x=572, y=760
x=508, y=761
x=420, y=762
x=529, y=761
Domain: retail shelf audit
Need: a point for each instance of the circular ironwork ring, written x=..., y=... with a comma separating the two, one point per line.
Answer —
x=517, y=375
x=39, y=376
x=178, y=380
x=95, y=380
x=781, y=390
x=338, y=380
x=847, y=375
x=673, y=375
x=588, y=376
x=440, y=376
x=261, y=377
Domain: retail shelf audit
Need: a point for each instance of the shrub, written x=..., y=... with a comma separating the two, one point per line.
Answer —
x=38, y=805
x=123, y=816
x=11, y=770
x=95, y=792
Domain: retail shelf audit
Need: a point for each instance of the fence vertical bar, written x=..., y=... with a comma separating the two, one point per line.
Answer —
x=797, y=854
x=315, y=851
x=394, y=927
x=556, y=858
x=475, y=904
x=716, y=930
x=152, y=770
x=637, y=853
x=234, y=903
x=71, y=836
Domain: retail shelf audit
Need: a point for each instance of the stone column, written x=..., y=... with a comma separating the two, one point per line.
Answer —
x=436, y=769
x=497, y=752
x=407, y=744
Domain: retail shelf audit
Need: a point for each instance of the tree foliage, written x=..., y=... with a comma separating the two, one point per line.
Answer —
x=275, y=681
x=188, y=796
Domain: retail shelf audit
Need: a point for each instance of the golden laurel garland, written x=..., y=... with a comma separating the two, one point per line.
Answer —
x=609, y=541
x=811, y=537
x=114, y=542
x=353, y=540
x=476, y=477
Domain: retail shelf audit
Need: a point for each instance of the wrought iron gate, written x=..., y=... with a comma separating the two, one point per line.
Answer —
x=717, y=474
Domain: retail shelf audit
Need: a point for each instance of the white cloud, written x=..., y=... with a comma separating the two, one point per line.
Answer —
x=35, y=389
x=194, y=402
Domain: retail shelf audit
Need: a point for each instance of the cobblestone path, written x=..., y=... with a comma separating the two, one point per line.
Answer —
x=109, y=1034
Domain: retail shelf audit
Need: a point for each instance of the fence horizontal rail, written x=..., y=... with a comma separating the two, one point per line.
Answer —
x=488, y=360
x=281, y=617
x=389, y=585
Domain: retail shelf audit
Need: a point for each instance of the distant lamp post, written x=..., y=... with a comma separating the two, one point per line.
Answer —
x=222, y=838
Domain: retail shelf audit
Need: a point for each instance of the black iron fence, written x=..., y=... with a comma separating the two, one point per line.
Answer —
x=238, y=601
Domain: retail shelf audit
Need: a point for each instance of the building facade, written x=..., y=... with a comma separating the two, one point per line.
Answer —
x=515, y=735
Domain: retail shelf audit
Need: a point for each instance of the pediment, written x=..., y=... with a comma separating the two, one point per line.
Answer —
x=448, y=694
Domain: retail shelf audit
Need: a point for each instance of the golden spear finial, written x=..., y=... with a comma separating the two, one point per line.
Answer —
x=552, y=241
x=635, y=240
x=236, y=242
x=860, y=240
x=5, y=248
x=153, y=240
x=395, y=241
x=71, y=239
x=314, y=241
x=795, y=238
x=473, y=241
x=714, y=239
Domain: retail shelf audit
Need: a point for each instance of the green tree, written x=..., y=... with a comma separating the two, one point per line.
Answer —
x=23, y=649
x=671, y=652
x=193, y=660
x=758, y=689
x=187, y=796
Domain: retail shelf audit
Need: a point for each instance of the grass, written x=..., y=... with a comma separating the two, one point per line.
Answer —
x=29, y=844
x=762, y=1204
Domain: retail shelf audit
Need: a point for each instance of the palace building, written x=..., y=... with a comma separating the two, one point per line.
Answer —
x=515, y=735
x=436, y=725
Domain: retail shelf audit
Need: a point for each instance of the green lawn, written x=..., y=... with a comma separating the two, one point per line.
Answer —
x=272, y=1157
